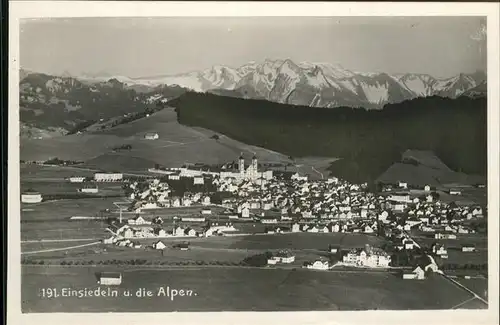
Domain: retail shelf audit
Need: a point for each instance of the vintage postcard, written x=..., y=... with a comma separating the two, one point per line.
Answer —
x=168, y=160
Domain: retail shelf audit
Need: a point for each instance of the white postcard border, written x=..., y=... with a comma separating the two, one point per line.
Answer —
x=39, y=9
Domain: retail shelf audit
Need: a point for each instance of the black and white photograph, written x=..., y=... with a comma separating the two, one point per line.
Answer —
x=254, y=163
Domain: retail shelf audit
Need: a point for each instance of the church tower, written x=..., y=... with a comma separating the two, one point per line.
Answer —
x=255, y=166
x=241, y=164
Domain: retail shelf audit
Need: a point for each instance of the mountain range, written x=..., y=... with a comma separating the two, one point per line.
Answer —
x=306, y=83
x=58, y=104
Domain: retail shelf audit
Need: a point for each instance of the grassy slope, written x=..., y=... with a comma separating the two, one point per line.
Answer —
x=177, y=145
x=368, y=141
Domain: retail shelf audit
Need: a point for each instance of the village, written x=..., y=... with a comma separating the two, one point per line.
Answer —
x=277, y=203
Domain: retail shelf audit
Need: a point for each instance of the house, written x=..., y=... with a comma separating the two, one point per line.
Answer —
x=128, y=233
x=245, y=212
x=455, y=192
x=108, y=177
x=138, y=221
x=109, y=240
x=295, y=227
x=178, y=231
x=272, y=261
x=427, y=188
x=190, y=232
x=206, y=211
x=403, y=185
x=334, y=249
x=159, y=245
x=313, y=229
x=31, y=197
x=175, y=177
x=401, y=197
x=409, y=244
x=439, y=249
x=110, y=278
x=158, y=221
x=269, y=220
x=89, y=189
x=206, y=201
x=198, y=180
x=416, y=274
x=76, y=179
x=182, y=246
x=135, y=244
x=151, y=136
x=318, y=265
x=468, y=248
x=160, y=232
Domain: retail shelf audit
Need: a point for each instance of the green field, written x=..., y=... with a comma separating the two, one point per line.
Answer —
x=319, y=241
x=64, y=209
x=232, y=289
x=39, y=173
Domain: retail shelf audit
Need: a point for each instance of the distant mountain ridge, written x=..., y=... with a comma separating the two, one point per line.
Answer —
x=49, y=103
x=308, y=83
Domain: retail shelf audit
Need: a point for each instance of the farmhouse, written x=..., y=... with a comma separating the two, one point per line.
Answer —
x=318, y=265
x=334, y=249
x=138, y=221
x=77, y=179
x=31, y=197
x=468, y=248
x=439, y=250
x=182, y=246
x=445, y=236
x=159, y=245
x=416, y=274
x=110, y=278
x=151, y=136
x=89, y=189
x=108, y=177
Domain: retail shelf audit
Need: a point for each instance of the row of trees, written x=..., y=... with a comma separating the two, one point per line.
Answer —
x=131, y=262
x=466, y=266
x=60, y=162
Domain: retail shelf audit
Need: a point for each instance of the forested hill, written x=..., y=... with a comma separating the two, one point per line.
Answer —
x=368, y=141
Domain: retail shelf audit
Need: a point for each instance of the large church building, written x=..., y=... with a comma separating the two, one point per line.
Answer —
x=247, y=172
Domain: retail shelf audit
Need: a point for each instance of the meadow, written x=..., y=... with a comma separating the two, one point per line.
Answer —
x=232, y=289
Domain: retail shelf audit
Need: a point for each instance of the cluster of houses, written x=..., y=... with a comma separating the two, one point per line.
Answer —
x=155, y=194
x=139, y=227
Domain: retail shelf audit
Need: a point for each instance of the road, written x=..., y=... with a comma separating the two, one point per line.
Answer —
x=474, y=294
x=60, y=249
x=57, y=240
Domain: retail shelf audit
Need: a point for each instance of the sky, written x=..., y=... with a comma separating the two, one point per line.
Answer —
x=140, y=47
